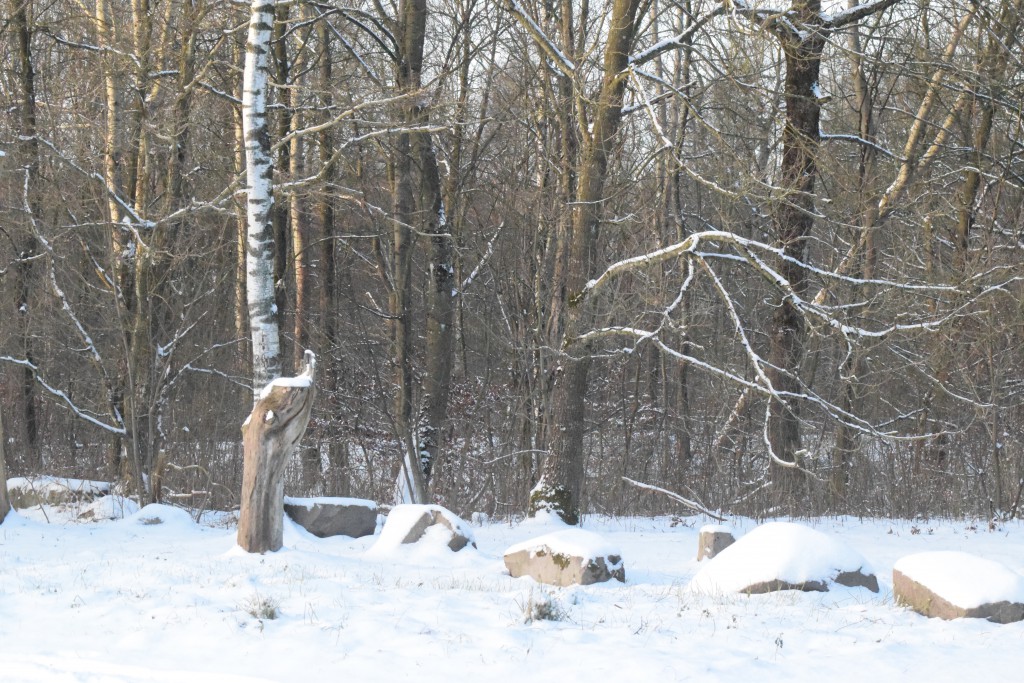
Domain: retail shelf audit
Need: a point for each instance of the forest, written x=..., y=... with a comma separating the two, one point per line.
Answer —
x=763, y=254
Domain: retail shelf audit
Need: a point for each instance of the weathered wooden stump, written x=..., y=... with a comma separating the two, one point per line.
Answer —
x=5, y=503
x=269, y=435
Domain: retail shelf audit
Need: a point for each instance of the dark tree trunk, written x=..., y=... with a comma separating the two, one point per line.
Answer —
x=29, y=247
x=5, y=503
x=561, y=484
x=793, y=220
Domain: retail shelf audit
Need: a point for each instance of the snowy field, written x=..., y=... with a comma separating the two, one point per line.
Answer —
x=157, y=597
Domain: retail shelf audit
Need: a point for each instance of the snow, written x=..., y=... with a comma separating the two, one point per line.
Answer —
x=46, y=484
x=573, y=542
x=963, y=579
x=133, y=600
x=308, y=503
x=109, y=507
x=784, y=551
x=300, y=382
x=402, y=518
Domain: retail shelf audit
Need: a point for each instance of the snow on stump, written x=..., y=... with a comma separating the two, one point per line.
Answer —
x=269, y=436
x=407, y=524
x=29, y=492
x=784, y=556
x=953, y=585
x=324, y=517
x=566, y=558
x=712, y=540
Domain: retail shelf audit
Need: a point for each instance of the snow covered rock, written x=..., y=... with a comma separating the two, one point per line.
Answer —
x=28, y=492
x=951, y=585
x=784, y=556
x=325, y=517
x=712, y=540
x=424, y=523
x=565, y=558
x=107, y=508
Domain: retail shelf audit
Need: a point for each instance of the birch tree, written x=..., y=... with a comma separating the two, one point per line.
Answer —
x=264, y=327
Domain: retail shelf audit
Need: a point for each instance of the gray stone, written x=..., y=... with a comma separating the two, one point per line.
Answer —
x=324, y=517
x=713, y=540
x=857, y=579
x=562, y=559
x=409, y=523
x=772, y=558
x=851, y=579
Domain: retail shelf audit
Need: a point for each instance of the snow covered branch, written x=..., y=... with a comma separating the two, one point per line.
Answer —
x=693, y=505
x=556, y=56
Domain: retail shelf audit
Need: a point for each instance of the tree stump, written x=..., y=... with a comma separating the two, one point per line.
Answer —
x=5, y=503
x=269, y=435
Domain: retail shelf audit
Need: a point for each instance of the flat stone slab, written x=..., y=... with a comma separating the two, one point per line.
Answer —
x=324, y=517
x=566, y=558
x=408, y=524
x=784, y=556
x=28, y=492
x=955, y=585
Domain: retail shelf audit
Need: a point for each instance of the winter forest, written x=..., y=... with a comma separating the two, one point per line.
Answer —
x=766, y=255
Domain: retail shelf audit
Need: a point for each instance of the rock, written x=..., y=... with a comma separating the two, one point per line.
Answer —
x=407, y=524
x=857, y=579
x=954, y=585
x=713, y=540
x=566, y=558
x=783, y=556
x=325, y=517
x=28, y=492
x=107, y=508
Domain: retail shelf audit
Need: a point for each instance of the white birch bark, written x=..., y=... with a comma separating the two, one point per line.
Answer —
x=263, y=314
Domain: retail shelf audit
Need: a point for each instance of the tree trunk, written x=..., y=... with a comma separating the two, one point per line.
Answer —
x=5, y=503
x=440, y=321
x=991, y=76
x=270, y=434
x=793, y=220
x=411, y=485
x=560, y=487
x=29, y=246
x=263, y=311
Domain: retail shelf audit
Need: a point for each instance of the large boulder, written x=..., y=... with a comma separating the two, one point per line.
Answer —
x=565, y=558
x=325, y=517
x=784, y=556
x=952, y=585
x=712, y=540
x=28, y=492
x=407, y=524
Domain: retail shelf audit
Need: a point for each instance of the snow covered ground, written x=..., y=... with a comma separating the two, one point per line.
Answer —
x=156, y=597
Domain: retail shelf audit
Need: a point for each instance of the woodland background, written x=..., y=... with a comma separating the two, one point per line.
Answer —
x=432, y=160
